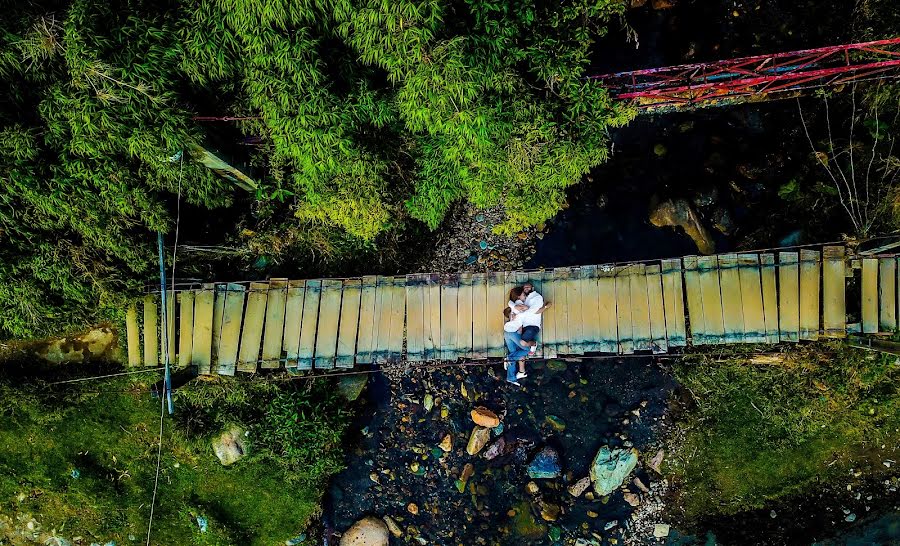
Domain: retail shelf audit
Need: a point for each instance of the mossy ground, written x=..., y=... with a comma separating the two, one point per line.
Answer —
x=108, y=433
x=756, y=432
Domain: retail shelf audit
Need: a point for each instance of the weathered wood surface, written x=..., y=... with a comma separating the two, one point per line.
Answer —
x=613, y=309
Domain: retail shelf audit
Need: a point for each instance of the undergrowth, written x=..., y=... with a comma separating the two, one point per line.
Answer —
x=770, y=429
x=83, y=461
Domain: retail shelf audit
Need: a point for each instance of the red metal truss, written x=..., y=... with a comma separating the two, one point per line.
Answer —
x=759, y=77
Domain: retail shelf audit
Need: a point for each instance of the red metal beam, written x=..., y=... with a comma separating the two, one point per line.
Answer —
x=760, y=75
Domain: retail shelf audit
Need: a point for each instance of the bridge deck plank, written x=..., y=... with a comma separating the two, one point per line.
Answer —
x=151, y=331
x=732, y=298
x=479, y=316
x=658, y=341
x=201, y=347
x=185, y=327
x=449, y=302
x=464, y=320
x=433, y=318
x=590, y=310
x=133, y=331
x=673, y=302
x=273, y=335
x=220, y=291
x=887, y=292
x=833, y=292
x=251, y=333
x=711, y=291
x=810, y=272
x=789, y=296
x=607, y=310
x=349, y=325
x=170, y=330
x=694, y=301
x=329, y=320
x=232, y=318
x=537, y=281
x=560, y=288
x=623, y=310
x=770, y=296
x=415, y=317
x=870, y=295
x=496, y=302
x=308, y=323
x=293, y=317
x=550, y=321
x=640, y=308
x=383, y=296
x=575, y=287
x=368, y=322
x=398, y=318
x=751, y=298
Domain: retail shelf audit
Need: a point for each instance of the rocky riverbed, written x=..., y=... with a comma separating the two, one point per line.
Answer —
x=418, y=463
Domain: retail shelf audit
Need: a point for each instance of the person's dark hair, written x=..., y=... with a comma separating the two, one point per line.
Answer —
x=507, y=312
x=515, y=293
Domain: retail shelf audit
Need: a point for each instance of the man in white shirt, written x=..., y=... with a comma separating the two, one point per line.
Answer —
x=529, y=312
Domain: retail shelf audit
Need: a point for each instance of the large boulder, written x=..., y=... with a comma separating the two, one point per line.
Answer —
x=369, y=531
x=611, y=467
x=230, y=446
x=679, y=213
x=545, y=464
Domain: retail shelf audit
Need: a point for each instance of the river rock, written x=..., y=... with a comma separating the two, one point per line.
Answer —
x=656, y=461
x=478, y=439
x=392, y=526
x=495, y=449
x=555, y=422
x=610, y=468
x=230, y=446
x=661, y=530
x=447, y=443
x=545, y=464
x=631, y=499
x=579, y=487
x=485, y=417
x=369, y=531
x=679, y=213
x=351, y=386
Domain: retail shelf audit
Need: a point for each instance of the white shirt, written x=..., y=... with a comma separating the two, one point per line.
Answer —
x=530, y=316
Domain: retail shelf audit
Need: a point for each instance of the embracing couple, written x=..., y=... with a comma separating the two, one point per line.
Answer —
x=523, y=324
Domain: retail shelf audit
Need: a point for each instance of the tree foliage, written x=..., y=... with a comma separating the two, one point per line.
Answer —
x=369, y=112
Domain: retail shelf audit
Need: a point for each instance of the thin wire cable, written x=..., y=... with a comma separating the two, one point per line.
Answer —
x=162, y=415
x=98, y=377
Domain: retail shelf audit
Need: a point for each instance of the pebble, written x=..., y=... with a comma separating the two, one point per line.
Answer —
x=661, y=530
x=412, y=508
x=579, y=487
x=392, y=526
x=447, y=443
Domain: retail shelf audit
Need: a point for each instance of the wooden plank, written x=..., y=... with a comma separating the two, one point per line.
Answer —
x=551, y=320
x=711, y=291
x=201, y=348
x=329, y=319
x=293, y=316
x=869, y=295
x=640, y=308
x=606, y=302
x=561, y=334
x=308, y=324
x=788, y=296
x=449, y=302
x=590, y=310
x=496, y=303
x=464, y=316
x=536, y=278
x=673, y=302
x=383, y=304
x=133, y=332
x=368, y=325
x=479, y=316
x=231, y=330
x=273, y=337
x=151, y=331
x=732, y=302
x=694, y=301
x=810, y=271
x=350, y=302
x=170, y=331
x=186, y=327
x=575, y=301
x=752, y=298
x=221, y=290
x=433, y=317
x=887, y=292
x=658, y=338
x=398, y=319
x=770, y=296
x=834, y=304
x=623, y=310
x=251, y=335
x=415, y=318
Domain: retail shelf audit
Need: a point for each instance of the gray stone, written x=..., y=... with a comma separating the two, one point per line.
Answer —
x=230, y=446
x=610, y=468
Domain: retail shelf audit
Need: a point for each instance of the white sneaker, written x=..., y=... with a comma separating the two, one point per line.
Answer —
x=505, y=365
x=521, y=375
x=532, y=350
x=516, y=383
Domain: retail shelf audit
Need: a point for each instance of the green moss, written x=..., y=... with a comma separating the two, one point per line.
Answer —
x=108, y=437
x=763, y=431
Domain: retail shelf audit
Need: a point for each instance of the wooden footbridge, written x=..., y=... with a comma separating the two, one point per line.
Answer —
x=652, y=307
